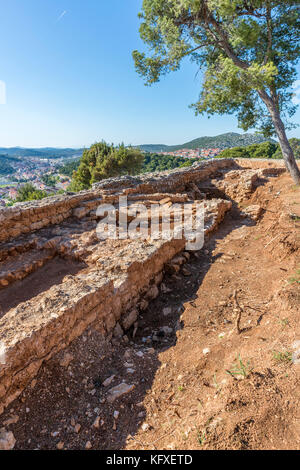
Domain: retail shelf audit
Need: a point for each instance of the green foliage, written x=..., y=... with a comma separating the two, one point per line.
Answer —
x=154, y=162
x=201, y=436
x=103, y=161
x=296, y=278
x=282, y=356
x=49, y=180
x=295, y=144
x=240, y=368
x=247, y=49
x=264, y=150
x=69, y=167
x=28, y=192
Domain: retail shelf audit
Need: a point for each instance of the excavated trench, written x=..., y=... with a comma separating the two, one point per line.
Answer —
x=59, y=281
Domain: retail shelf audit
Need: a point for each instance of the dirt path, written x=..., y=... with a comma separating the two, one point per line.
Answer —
x=201, y=381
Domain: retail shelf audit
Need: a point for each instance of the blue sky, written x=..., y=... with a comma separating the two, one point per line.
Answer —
x=70, y=79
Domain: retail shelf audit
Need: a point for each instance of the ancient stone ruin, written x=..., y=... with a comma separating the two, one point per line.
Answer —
x=57, y=278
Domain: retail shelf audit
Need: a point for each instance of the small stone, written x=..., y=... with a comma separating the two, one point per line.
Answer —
x=145, y=427
x=33, y=383
x=118, y=391
x=108, y=381
x=96, y=423
x=7, y=440
x=165, y=289
x=88, y=445
x=60, y=445
x=153, y=292
x=12, y=420
x=67, y=359
x=128, y=364
x=167, y=311
x=186, y=272
x=166, y=330
x=118, y=332
x=129, y=319
x=127, y=354
x=206, y=351
x=77, y=428
x=116, y=414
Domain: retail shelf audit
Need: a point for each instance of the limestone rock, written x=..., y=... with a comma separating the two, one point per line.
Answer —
x=119, y=391
x=67, y=359
x=129, y=319
x=7, y=440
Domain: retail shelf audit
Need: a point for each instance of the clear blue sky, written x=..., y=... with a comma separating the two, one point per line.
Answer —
x=70, y=79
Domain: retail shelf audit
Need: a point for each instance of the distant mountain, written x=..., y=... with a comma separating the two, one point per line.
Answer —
x=47, y=152
x=153, y=148
x=223, y=141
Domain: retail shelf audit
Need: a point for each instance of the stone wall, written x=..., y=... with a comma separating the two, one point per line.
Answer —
x=26, y=217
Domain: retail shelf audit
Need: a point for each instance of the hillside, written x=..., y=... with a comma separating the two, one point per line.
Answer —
x=230, y=139
x=47, y=152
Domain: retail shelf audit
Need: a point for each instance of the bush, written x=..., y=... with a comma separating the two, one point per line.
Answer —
x=263, y=150
x=29, y=193
x=103, y=161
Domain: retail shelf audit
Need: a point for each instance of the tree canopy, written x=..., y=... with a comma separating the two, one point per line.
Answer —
x=264, y=150
x=157, y=162
x=248, y=50
x=295, y=144
x=103, y=161
x=28, y=192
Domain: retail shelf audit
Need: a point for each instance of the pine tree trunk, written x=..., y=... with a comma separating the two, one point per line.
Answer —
x=286, y=149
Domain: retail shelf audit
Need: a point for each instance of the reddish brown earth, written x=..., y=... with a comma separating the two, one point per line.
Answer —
x=188, y=393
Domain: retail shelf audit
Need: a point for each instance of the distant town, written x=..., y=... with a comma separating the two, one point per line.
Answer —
x=194, y=153
x=43, y=174
x=50, y=169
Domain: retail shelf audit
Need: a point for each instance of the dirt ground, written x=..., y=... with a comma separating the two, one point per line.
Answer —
x=224, y=374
